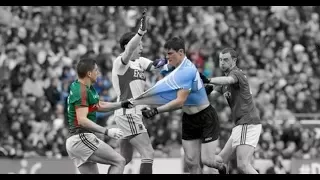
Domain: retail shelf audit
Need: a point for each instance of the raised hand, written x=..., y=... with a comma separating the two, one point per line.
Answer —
x=144, y=20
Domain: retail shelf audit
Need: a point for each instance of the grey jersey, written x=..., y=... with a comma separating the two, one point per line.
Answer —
x=129, y=81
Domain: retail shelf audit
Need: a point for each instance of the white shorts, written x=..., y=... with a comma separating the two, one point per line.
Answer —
x=130, y=124
x=81, y=146
x=248, y=134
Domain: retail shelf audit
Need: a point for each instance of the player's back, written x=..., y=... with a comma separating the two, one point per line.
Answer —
x=129, y=81
x=81, y=95
x=240, y=99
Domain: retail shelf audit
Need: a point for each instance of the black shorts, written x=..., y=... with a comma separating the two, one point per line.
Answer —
x=203, y=125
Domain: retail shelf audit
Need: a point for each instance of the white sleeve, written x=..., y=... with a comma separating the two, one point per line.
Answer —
x=119, y=67
x=145, y=63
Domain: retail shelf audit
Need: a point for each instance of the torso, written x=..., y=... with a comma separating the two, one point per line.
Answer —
x=239, y=97
x=129, y=81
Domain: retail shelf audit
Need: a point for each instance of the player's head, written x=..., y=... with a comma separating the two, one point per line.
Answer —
x=227, y=59
x=175, y=50
x=124, y=40
x=87, y=68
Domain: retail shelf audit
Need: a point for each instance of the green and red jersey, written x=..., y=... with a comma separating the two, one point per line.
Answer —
x=81, y=95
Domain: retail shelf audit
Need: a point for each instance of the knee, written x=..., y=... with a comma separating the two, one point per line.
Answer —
x=191, y=161
x=148, y=153
x=242, y=166
x=120, y=161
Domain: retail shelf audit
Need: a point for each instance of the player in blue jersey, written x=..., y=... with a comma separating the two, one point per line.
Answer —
x=184, y=89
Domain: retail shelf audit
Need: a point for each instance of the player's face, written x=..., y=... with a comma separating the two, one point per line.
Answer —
x=94, y=74
x=174, y=57
x=137, y=53
x=225, y=61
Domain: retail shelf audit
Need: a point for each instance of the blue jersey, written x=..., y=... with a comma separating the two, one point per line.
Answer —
x=185, y=76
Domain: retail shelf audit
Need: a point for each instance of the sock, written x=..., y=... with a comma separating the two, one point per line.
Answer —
x=146, y=166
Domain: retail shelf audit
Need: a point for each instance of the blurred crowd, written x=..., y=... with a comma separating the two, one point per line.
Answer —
x=277, y=48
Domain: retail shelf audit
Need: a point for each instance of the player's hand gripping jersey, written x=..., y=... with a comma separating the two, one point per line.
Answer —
x=85, y=96
x=185, y=76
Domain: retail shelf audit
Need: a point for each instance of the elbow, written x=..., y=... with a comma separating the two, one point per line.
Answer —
x=180, y=103
x=81, y=121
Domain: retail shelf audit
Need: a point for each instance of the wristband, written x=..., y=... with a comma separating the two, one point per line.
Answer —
x=141, y=32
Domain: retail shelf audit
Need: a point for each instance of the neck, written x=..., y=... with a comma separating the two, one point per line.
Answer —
x=227, y=71
x=85, y=81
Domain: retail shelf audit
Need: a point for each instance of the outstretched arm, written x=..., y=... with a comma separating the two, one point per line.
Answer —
x=111, y=106
x=219, y=80
x=223, y=80
x=175, y=104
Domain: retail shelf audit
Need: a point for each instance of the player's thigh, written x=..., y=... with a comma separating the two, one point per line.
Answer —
x=244, y=154
x=192, y=150
x=105, y=154
x=227, y=151
x=208, y=151
x=89, y=168
x=191, y=129
x=143, y=144
x=130, y=124
x=126, y=149
x=81, y=146
x=246, y=134
x=210, y=125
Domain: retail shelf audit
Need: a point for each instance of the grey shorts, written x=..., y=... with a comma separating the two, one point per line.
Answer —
x=81, y=146
x=130, y=124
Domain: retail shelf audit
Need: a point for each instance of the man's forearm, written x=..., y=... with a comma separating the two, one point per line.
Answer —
x=88, y=124
x=108, y=106
x=171, y=106
x=221, y=80
x=131, y=46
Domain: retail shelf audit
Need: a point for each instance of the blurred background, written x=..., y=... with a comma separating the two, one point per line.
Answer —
x=278, y=49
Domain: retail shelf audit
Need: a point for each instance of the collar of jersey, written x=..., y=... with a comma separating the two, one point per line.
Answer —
x=83, y=84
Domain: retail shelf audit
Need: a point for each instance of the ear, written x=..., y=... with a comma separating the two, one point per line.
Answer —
x=235, y=60
x=181, y=52
x=89, y=73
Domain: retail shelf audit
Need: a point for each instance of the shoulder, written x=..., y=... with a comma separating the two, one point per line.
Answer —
x=187, y=72
x=76, y=89
x=237, y=71
x=143, y=59
x=117, y=63
x=238, y=74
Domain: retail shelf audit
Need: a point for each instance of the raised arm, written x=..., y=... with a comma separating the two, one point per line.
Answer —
x=134, y=42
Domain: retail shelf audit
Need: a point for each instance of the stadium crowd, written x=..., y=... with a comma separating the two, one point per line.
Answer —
x=277, y=46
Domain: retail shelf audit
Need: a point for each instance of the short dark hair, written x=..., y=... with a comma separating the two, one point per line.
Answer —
x=175, y=43
x=124, y=40
x=84, y=66
x=232, y=52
